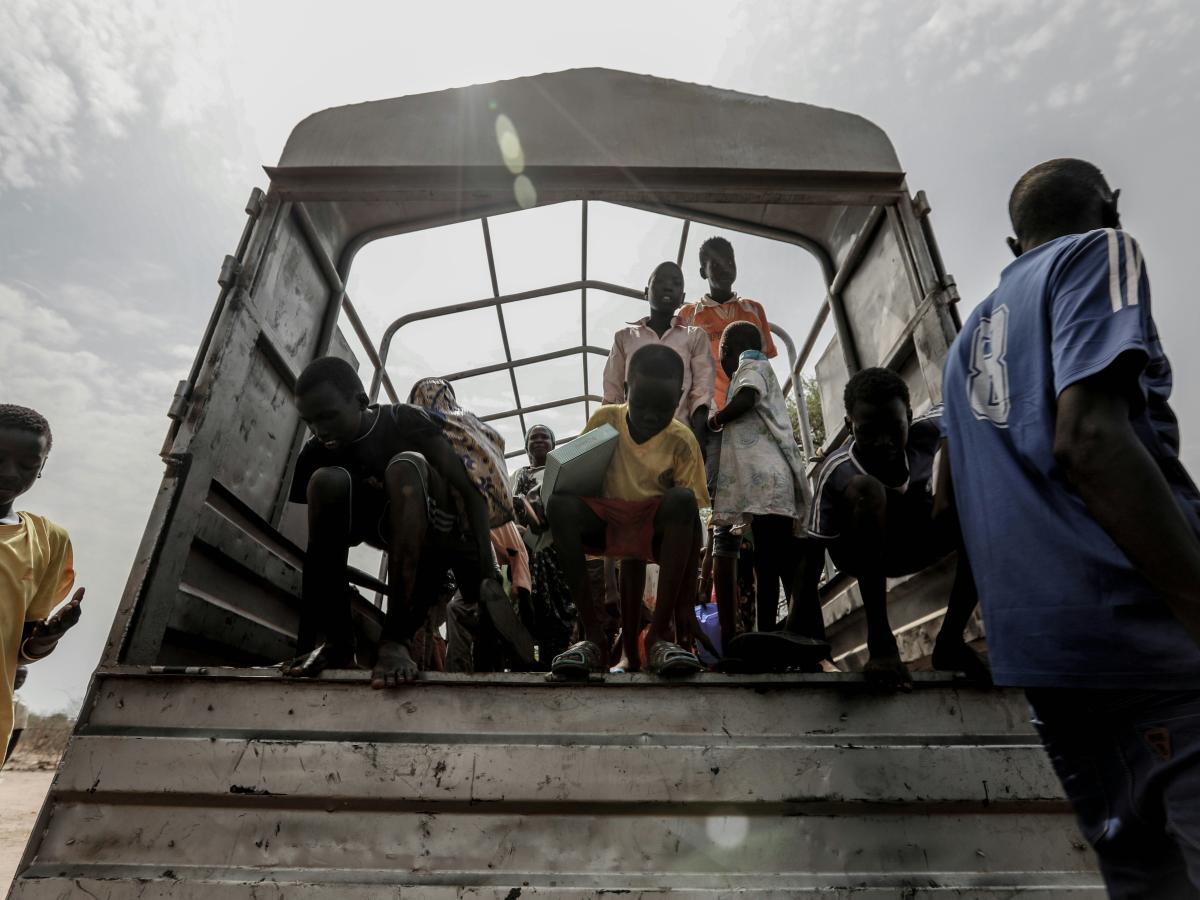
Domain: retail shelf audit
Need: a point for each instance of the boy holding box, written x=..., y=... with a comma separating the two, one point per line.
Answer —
x=649, y=510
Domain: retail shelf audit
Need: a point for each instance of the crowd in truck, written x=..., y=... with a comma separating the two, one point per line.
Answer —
x=1051, y=468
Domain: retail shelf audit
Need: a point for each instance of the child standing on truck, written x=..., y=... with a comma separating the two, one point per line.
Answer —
x=36, y=569
x=649, y=511
x=400, y=478
x=713, y=313
x=664, y=293
x=760, y=477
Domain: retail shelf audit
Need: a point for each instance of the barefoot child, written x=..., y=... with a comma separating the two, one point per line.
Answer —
x=35, y=558
x=873, y=511
x=760, y=478
x=388, y=475
x=649, y=511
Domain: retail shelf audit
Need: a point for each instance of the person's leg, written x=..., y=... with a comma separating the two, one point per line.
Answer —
x=632, y=585
x=775, y=558
x=725, y=550
x=462, y=624
x=676, y=542
x=950, y=650
x=13, y=740
x=407, y=483
x=324, y=600
x=1132, y=780
x=861, y=552
x=575, y=526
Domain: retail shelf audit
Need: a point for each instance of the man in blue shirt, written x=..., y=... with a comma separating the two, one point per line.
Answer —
x=1083, y=527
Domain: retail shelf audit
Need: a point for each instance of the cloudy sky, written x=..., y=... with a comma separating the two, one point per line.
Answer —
x=131, y=134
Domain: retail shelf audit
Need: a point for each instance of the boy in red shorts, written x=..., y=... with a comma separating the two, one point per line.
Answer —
x=649, y=510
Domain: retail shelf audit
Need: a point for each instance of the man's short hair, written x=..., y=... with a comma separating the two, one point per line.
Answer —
x=22, y=418
x=1056, y=197
x=741, y=334
x=330, y=370
x=716, y=244
x=656, y=361
x=875, y=386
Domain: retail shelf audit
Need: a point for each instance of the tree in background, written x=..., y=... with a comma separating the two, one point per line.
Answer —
x=816, y=420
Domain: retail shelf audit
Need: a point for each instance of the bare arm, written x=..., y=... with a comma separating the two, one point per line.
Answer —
x=440, y=455
x=1123, y=488
x=739, y=404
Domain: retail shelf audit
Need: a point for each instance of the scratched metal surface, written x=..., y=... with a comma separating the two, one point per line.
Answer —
x=243, y=785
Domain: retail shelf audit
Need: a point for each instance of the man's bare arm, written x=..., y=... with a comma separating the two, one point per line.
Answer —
x=442, y=457
x=1124, y=489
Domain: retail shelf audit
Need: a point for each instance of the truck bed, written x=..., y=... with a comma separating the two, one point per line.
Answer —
x=238, y=784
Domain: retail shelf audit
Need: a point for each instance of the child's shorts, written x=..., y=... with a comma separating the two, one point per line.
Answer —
x=628, y=527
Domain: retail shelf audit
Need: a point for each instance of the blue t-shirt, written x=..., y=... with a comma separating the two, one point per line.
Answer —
x=1063, y=605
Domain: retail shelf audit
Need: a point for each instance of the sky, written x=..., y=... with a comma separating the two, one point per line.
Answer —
x=132, y=132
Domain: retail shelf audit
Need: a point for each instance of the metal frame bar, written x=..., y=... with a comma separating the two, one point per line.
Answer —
x=491, y=261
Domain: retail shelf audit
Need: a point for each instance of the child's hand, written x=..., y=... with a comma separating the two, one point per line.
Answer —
x=62, y=621
x=714, y=423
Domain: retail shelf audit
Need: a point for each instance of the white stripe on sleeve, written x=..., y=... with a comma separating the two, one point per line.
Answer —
x=1114, y=270
x=1133, y=269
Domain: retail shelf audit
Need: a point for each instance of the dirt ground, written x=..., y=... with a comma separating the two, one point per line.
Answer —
x=23, y=785
x=21, y=794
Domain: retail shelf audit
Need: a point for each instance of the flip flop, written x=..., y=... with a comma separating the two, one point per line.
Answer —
x=669, y=660
x=777, y=651
x=310, y=665
x=578, y=661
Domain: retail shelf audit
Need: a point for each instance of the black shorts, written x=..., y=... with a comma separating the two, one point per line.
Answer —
x=913, y=539
x=370, y=522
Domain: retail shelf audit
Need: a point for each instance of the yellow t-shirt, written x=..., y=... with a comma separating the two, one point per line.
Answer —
x=35, y=574
x=643, y=471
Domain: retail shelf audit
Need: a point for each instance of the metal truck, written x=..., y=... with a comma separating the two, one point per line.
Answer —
x=196, y=772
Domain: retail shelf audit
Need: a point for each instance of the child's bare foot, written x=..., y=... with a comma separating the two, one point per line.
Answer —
x=888, y=672
x=625, y=664
x=951, y=655
x=393, y=666
x=313, y=664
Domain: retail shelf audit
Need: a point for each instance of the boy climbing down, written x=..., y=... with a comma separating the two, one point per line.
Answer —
x=35, y=558
x=760, y=479
x=408, y=480
x=649, y=511
x=873, y=511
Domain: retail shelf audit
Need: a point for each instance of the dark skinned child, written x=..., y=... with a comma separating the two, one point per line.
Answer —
x=664, y=293
x=873, y=511
x=713, y=313
x=36, y=569
x=649, y=510
x=389, y=476
x=759, y=482
x=1083, y=524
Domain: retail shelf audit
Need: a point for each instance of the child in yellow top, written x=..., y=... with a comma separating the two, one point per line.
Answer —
x=35, y=558
x=649, y=510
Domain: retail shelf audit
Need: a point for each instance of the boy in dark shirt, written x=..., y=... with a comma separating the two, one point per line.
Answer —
x=873, y=510
x=386, y=475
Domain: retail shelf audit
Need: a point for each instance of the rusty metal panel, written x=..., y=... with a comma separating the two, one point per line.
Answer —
x=771, y=786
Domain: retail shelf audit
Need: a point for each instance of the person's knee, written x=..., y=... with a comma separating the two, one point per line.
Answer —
x=329, y=486
x=407, y=474
x=866, y=491
x=679, y=505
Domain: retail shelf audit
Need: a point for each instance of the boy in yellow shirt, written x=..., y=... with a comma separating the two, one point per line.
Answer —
x=649, y=510
x=35, y=558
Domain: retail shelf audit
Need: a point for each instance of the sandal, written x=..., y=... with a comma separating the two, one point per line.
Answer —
x=578, y=661
x=669, y=660
x=310, y=665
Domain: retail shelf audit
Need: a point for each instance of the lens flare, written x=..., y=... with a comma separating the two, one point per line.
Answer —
x=510, y=144
x=524, y=191
x=727, y=832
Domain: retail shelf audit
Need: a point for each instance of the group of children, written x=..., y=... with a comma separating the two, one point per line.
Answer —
x=701, y=424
